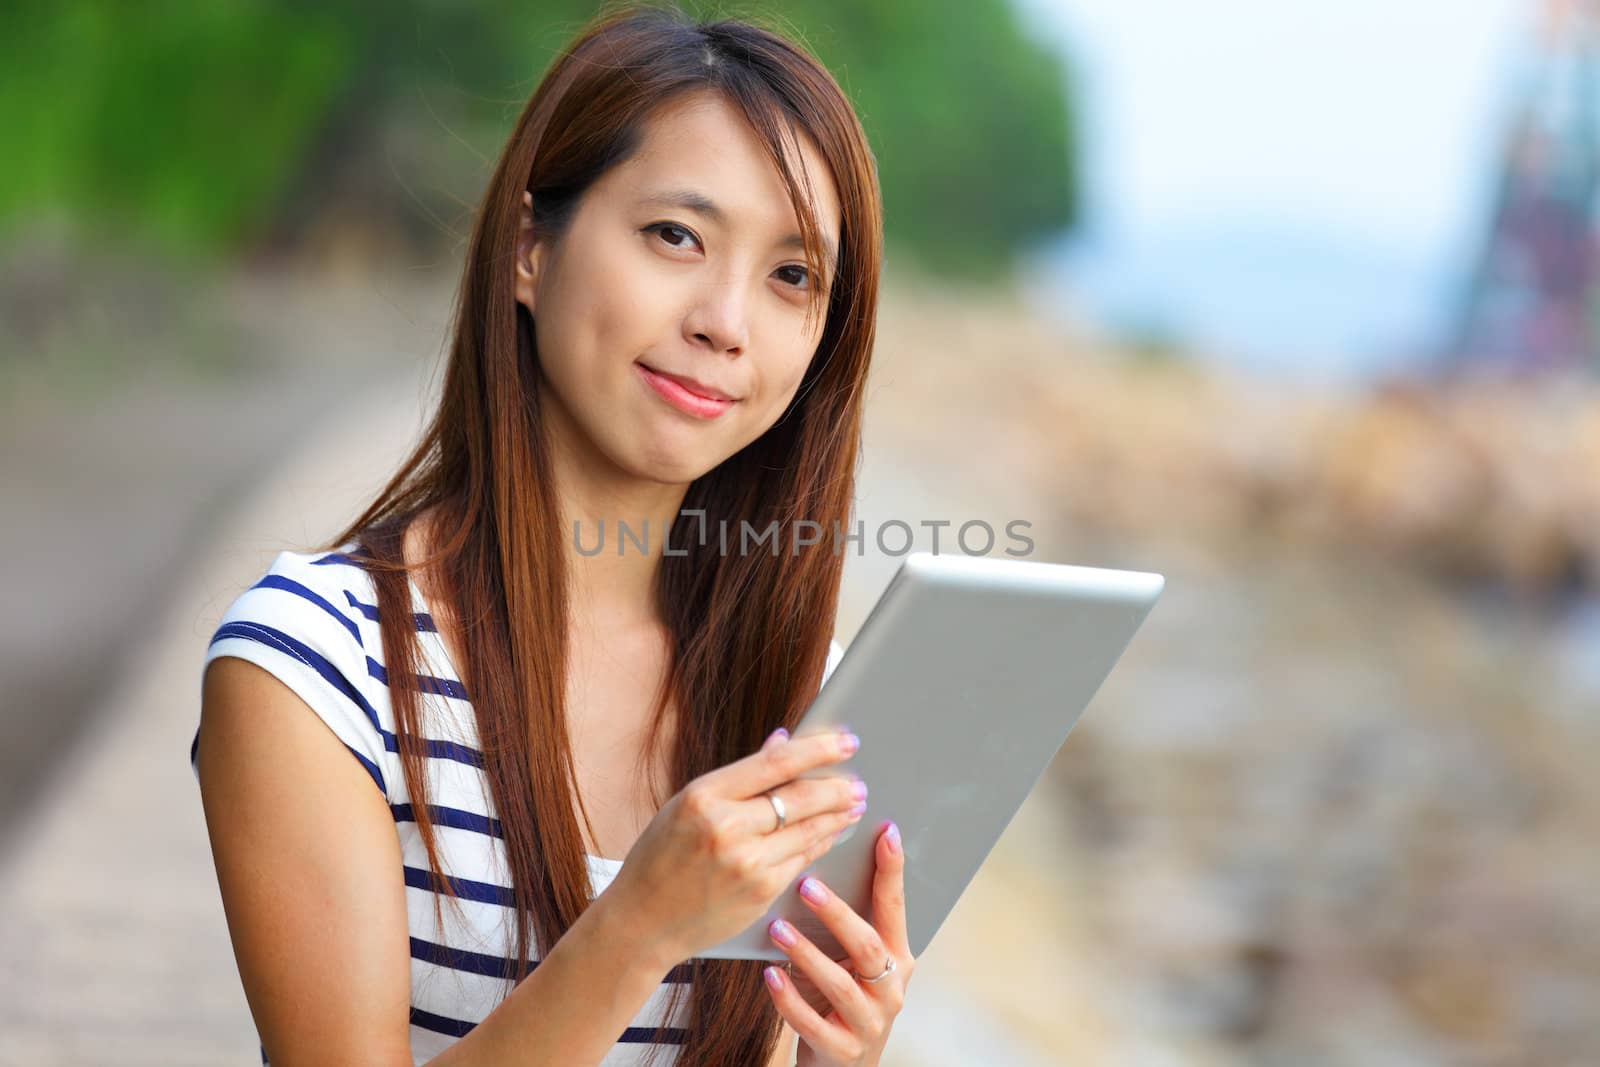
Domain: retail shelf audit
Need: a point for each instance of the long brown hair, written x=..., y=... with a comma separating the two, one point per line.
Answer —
x=749, y=630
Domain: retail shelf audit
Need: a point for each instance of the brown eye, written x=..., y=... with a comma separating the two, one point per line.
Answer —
x=664, y=229
x=805, y=276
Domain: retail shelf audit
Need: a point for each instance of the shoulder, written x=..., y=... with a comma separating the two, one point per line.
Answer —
x=302, y=623
x=304, y=600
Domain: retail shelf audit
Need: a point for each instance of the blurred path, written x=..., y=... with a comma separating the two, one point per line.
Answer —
x=115, y=482
x=114, y=931
x=105, y=503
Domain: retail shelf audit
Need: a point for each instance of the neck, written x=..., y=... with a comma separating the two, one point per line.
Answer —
x=614, y=530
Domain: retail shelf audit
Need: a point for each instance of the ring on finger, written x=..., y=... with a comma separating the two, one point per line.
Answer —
x=777, y=807
x=888, y=969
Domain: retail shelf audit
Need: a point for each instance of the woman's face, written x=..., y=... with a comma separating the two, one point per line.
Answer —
x=683, y=262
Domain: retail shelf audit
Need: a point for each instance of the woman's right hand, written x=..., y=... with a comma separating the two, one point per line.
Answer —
x=710, y=862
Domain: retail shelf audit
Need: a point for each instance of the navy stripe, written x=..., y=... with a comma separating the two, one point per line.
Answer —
x=428, y=683
x=451, y=817
x=645, y=1035
x=427, y=1020
x=633, y=1035
x=436, y=749
x=348, y=559
x=488, y=893
x=457, y=959
x=421, y=619
x=275, y=638
x=465, y=888
x=289, y=585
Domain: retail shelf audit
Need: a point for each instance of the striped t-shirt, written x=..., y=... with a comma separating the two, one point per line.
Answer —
x=312, y=621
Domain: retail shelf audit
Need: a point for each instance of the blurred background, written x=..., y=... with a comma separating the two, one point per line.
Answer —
x=1293, y=304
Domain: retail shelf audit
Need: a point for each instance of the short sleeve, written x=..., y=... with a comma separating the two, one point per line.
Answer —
x=835, y=654
x=291, y=625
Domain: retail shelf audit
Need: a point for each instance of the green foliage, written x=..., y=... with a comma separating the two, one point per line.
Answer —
x=173, y=122
x=200, y=127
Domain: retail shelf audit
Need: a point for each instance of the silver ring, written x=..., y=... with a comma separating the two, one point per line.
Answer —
x=888, y=969
x=777, y=806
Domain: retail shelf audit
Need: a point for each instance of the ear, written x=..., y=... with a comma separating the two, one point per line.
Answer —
x=529, y=250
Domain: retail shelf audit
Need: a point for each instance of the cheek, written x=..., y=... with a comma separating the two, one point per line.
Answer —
x=621, y=301
x=794, y=373
x=599, y=334
x=779, y=388
x=612, y=305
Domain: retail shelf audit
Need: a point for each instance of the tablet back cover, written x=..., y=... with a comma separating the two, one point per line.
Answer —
x=962, y=683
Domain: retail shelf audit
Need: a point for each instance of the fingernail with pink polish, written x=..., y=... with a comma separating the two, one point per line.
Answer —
x=893, y=835
x=773, y=976
x=812, y=890
x=781, y=932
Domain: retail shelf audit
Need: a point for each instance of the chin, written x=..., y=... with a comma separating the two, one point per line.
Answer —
x=672, y=465
x=678, y=457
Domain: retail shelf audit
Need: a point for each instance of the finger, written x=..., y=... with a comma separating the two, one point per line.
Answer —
x=802, y=799
x=800, y=844
x=825, y=1035
x=889, y=893
x=865, y=946
x=850, y=1004
x=778, y=763
x=808, y=992
x=776, y=737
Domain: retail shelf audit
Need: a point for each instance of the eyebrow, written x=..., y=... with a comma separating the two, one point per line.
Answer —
x=690, y=200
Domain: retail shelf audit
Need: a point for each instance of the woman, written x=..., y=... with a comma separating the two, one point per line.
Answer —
x=665, y=323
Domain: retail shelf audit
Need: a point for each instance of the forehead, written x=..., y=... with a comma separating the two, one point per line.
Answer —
x=703, y=145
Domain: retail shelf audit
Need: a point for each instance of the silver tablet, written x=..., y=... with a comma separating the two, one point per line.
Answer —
x=962, y=683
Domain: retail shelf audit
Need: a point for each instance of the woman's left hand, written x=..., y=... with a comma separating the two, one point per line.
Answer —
x=854, y=1032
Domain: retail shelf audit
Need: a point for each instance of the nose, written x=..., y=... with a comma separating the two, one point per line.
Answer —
x=720, y=318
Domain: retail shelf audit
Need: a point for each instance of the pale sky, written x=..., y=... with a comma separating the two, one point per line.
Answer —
x=1356, y=135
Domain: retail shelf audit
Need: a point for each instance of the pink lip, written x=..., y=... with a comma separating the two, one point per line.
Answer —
x=699, y=388
x=682, y=398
